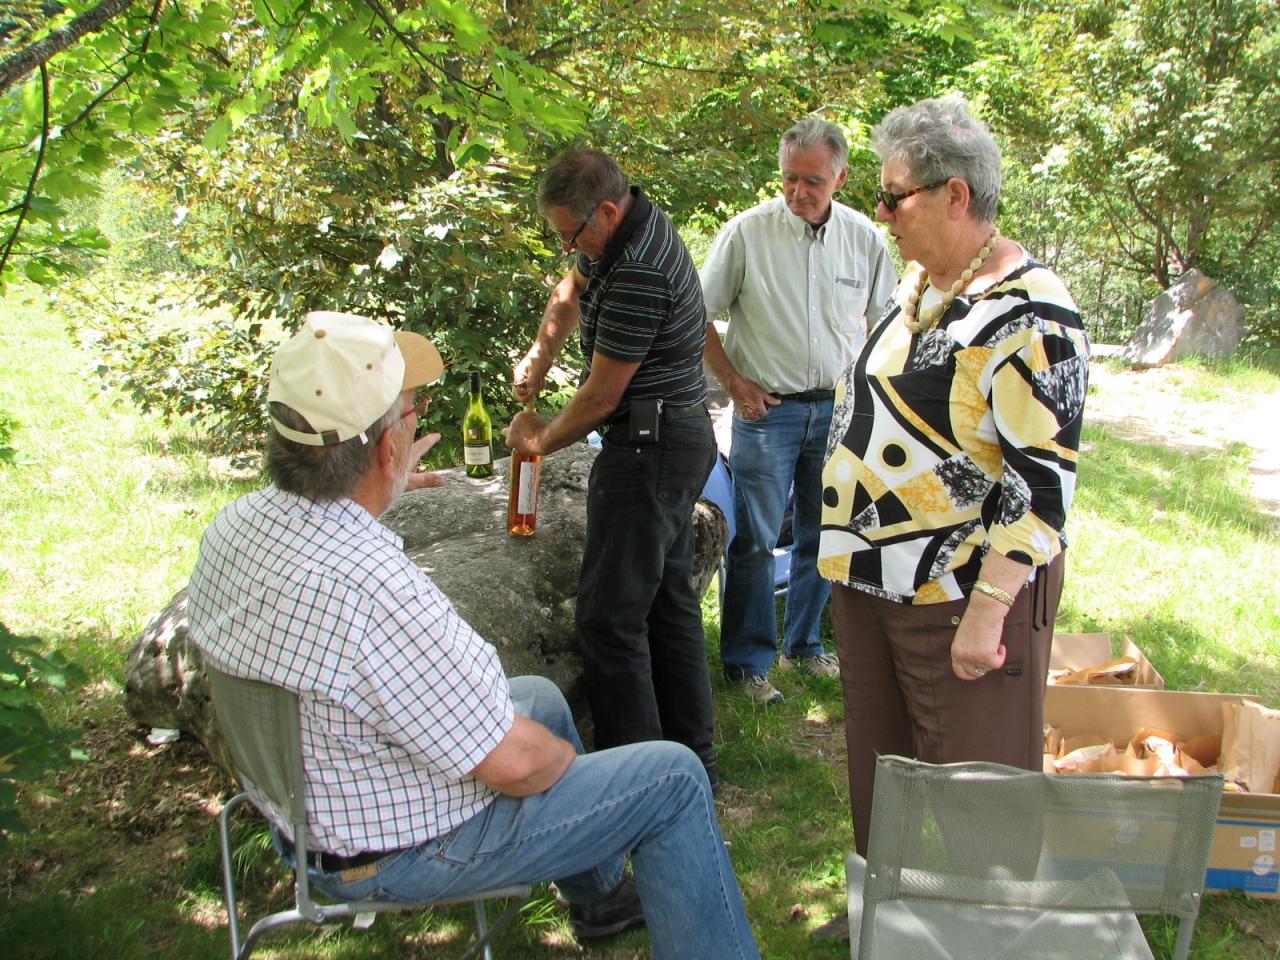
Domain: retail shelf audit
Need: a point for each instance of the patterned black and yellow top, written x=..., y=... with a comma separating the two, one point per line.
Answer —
x=962, y=439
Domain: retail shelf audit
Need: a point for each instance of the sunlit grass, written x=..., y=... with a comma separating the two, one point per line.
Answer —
x=1169, y=550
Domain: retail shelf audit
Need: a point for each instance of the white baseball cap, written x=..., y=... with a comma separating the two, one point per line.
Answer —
x=342, y=372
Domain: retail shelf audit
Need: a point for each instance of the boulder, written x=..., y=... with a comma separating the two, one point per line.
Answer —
x=1197, y=315
x=517, y=592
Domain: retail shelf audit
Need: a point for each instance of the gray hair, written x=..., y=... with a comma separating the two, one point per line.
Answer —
x=323, y=474
x=581, y=180
x=938, y=139
x=809, y=133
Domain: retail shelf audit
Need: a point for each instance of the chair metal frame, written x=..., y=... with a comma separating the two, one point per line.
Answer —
x=908, y=790
x=273, y=766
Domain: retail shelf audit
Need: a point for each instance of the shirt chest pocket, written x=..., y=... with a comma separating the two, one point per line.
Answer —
x=850, y=296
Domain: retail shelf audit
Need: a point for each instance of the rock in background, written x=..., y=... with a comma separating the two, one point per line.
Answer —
x=517, y=592
x=1197, y=315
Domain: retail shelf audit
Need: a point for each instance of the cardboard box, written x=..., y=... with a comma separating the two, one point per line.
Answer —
x=1244, y=855
x=1076, y=651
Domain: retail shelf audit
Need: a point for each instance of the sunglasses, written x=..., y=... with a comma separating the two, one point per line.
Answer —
x=891, y=200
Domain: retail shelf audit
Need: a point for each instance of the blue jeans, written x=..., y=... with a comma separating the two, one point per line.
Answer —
x=649, y=800
x=784, y=447
x=644, y=654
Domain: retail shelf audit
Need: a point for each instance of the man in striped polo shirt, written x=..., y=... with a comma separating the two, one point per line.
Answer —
x=633, y=294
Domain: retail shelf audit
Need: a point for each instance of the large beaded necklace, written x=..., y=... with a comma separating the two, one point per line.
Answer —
x=919, y=322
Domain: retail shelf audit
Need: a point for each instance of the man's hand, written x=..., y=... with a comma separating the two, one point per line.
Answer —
x=749, y=399
x=421, y=479
x=530, y=376
x=524, y=432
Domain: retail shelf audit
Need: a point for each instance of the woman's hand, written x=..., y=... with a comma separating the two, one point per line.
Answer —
x=976, y=647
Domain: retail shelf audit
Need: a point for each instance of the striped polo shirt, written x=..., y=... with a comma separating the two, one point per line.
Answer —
x=643, y=303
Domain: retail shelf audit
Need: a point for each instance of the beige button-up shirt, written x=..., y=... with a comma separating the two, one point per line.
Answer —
x=800, y=302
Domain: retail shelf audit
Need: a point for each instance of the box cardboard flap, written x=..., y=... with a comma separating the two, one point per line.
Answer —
x=1123, y=711
x=1079, y=651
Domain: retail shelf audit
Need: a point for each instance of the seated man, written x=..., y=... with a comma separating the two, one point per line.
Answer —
x=428, y=773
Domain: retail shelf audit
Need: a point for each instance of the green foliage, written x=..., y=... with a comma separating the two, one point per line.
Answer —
x=1158, y=122
x=8, y=427
x=200, y=72
x=28, y=744
x=212, y=373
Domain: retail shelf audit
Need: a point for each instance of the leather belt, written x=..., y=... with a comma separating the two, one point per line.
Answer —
x=332, y=863
x=669, y=412
x=807, y=396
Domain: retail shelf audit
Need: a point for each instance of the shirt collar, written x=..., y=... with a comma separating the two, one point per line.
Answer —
x=345, y=512
x=637, y=215
x=799, y=226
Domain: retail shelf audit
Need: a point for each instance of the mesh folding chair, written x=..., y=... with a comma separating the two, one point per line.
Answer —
x=984, y=860
x=261, y=726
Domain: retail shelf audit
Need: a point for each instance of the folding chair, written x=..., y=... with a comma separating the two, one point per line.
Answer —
x=261, y=725
x=983, y=860
x=719, y=490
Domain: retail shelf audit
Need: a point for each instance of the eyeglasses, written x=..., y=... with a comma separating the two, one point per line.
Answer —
x=891, y=200
x=572, y=240
x=420, y=400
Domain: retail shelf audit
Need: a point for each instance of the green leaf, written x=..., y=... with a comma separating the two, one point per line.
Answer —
x=43, y=208
x=215, y=138
x=475, y=151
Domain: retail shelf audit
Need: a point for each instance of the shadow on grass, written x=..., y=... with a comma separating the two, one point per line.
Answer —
x=1126, y=481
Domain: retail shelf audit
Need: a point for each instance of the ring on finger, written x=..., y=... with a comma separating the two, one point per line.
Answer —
x=979, y=671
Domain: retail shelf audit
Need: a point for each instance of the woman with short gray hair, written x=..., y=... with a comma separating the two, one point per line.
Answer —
x=950, y=469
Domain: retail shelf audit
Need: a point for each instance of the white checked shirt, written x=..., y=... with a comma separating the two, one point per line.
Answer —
x=400, y=699
x=800, y=301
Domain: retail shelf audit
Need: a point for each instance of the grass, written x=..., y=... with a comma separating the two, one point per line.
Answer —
x=100, y=519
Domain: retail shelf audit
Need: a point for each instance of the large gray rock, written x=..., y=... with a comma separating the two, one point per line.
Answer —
x=1197, y=315
x=517, y=592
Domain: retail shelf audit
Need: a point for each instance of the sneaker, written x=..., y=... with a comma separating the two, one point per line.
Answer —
x=818, y=665
x=619, y=911
x=759, y=690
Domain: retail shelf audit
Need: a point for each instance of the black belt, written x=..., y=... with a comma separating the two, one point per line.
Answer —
x=332, y=863
x=669, y=412
x=807, y=396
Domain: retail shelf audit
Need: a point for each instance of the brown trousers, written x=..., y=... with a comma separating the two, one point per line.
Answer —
x=901, y=696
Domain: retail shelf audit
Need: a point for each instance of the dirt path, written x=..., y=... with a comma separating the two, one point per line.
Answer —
x=1156, y=405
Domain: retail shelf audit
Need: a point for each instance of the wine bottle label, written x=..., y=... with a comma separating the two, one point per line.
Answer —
x=527, y=498
x=476, y=453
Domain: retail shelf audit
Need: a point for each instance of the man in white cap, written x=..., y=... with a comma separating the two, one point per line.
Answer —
x=428, y=772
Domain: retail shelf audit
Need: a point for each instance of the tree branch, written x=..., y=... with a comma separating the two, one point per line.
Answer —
x=35, y=173
x=124, y=77
x=17, y=66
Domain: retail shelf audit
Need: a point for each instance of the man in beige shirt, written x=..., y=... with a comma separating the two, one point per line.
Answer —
x=801, y=277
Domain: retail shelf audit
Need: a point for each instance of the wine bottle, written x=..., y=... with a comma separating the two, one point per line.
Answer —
x=477, y=433
x=522, y=504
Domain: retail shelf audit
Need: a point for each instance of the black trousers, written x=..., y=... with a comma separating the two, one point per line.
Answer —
x=639, y=621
